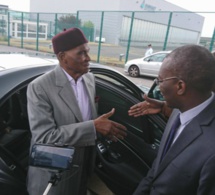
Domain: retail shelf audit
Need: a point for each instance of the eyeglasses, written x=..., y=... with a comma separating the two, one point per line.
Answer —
x=157, y=81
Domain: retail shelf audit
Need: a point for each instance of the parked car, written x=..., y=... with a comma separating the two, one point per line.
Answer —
x=97, y=39
x=120, y=165
x=147, y=66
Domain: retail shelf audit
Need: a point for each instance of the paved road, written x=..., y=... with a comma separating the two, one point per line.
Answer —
x=142, y=80
x=4, y=48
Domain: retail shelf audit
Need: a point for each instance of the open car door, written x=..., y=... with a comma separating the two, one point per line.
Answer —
x=122, y=164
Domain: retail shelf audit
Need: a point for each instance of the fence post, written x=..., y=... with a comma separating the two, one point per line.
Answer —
x=38, y=30
x=22, y=33
x=55, y=30
x=50, y=29
x=8, y=28
x=167, y=32
x=100, y=37
x=2, y=25
x=77, y=18
x=212, y=41
x=129, y=38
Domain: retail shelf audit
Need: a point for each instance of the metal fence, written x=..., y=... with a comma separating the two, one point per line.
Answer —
x=114, y=37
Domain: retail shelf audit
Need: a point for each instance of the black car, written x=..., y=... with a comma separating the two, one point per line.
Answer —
x=120, y=165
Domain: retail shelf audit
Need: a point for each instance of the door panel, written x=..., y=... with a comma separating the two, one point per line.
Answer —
x=122, y=164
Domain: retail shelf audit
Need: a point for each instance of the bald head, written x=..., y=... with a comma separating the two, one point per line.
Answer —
x=193, y=64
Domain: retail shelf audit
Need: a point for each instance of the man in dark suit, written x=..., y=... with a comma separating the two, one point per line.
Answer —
x=62, y=110
x=186, y=80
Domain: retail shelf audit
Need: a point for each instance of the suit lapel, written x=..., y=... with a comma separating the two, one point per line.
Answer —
x=90, y=90
x=66, y=93
x=190, y=133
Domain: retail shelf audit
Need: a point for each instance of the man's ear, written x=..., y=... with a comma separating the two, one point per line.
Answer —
x=181, y=87
x=61, y=56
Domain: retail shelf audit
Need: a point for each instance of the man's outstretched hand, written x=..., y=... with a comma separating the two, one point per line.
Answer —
x=150, y=106
x=109, y=128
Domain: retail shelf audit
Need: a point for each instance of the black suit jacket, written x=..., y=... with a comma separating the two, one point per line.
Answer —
x=189, y=166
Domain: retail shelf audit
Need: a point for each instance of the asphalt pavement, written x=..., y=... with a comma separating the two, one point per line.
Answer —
x=4, y=48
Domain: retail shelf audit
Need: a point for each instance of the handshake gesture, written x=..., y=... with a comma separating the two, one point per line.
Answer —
x=109, y=128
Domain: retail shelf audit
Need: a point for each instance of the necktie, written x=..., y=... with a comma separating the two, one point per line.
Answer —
x=171, y=136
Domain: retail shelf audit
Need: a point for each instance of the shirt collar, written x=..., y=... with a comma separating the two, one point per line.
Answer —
x=187, y=116
x=71, y=80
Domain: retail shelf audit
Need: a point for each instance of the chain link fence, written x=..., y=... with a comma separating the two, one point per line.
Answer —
x=114, y=37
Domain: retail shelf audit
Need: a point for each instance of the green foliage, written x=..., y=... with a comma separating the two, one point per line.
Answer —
x=68, y=21
x=88, y=24
x=3, y=38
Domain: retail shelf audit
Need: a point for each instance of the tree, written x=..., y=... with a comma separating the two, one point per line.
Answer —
x=88, y=24
x=68, y=21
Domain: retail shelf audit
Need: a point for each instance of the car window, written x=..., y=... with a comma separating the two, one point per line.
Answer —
x=155, y=92
x=156, y=58
x=115, y=82
x=113, y=97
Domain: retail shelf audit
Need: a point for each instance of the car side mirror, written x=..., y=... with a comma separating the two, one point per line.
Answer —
x=155, y=92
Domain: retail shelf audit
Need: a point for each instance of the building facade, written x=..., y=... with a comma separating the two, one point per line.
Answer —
x=19, y=24
x=137, y=22
x=150, y=23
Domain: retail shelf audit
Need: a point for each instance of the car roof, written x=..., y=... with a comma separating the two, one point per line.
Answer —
x=160, y=52
x=15, y=60
x=16, y=68
x=27, y=60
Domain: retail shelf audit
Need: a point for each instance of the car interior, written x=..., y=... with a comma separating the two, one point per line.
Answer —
x=14, y=143
x=15, y=134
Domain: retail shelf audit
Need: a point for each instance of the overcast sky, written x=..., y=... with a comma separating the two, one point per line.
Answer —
x=192, y=5
x=17, y=5
x=200, y=6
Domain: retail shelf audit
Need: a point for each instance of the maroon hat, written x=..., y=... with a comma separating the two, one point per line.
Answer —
x=68, y=39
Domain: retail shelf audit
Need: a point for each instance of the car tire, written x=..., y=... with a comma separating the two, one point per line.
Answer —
x=133, y=71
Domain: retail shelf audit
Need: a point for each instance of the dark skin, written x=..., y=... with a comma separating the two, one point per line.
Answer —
x=76, y=63
x=150, y=106
x=177, y=93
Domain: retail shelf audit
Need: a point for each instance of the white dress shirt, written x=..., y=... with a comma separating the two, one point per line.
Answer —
x=186, y=117
x=82, y=96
